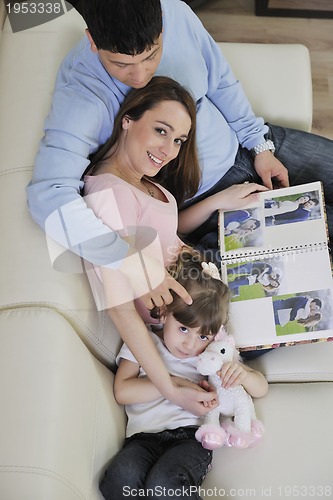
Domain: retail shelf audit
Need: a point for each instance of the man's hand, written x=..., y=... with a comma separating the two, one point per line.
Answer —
x=270, y=169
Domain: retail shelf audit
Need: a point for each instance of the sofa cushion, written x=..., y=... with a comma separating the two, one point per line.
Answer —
x=59, y=423
x=294, y=457
x=300, y=363
x=279, y=88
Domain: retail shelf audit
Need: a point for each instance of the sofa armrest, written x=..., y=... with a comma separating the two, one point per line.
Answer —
x=277, y=80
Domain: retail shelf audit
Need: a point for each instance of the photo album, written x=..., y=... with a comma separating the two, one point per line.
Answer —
x=276, y=260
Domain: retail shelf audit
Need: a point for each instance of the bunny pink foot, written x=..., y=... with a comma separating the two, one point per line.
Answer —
x=240, y=439
x=211, y=437
x=257, y=429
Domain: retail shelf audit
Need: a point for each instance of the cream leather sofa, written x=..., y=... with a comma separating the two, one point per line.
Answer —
x=59, y=423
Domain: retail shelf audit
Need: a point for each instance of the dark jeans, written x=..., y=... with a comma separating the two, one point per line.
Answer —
x=170, y=464
x=308, y=158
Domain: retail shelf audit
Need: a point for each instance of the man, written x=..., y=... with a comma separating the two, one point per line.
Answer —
x=92, y=83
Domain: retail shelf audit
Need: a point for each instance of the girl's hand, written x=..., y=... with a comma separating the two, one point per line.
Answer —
x=237, y=196
x=232, y=374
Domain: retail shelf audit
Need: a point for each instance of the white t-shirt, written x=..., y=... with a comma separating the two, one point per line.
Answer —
x=161, y=414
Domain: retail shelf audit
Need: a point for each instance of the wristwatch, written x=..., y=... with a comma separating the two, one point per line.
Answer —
x=265, y=146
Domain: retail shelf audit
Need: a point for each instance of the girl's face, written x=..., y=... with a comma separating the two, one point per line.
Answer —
x=156, y=138
x=181, y=341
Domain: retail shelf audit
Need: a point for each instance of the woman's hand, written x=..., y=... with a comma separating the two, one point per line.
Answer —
x=202, y=386
x=196, y=400
x=161, y=294
x=143, y=277
x=237, y=196
x=234, y=197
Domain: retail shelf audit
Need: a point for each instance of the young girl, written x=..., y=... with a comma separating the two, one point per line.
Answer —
x=160, y=450
x=154, y=129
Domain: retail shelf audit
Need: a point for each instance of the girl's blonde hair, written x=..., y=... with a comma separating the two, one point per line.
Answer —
x=210, y=296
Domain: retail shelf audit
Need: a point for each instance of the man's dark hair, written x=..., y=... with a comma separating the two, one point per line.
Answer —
x=125, y=26
x=317, y=302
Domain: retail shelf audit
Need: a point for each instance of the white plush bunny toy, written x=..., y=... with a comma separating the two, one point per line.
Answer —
x=243, y=429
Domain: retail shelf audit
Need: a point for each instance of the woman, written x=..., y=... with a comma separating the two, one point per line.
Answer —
x=154, y=129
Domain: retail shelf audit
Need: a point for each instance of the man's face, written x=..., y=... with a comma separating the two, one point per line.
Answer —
x=135, y=71
x=309, y=204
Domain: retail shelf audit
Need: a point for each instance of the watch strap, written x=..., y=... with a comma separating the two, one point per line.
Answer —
x=264, y=146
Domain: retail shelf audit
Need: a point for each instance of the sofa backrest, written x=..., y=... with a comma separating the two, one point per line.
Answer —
x=28, y=278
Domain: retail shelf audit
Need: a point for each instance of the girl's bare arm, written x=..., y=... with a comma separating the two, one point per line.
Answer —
x=130, y=389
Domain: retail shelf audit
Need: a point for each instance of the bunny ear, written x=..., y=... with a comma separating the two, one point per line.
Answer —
x=221, y=334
